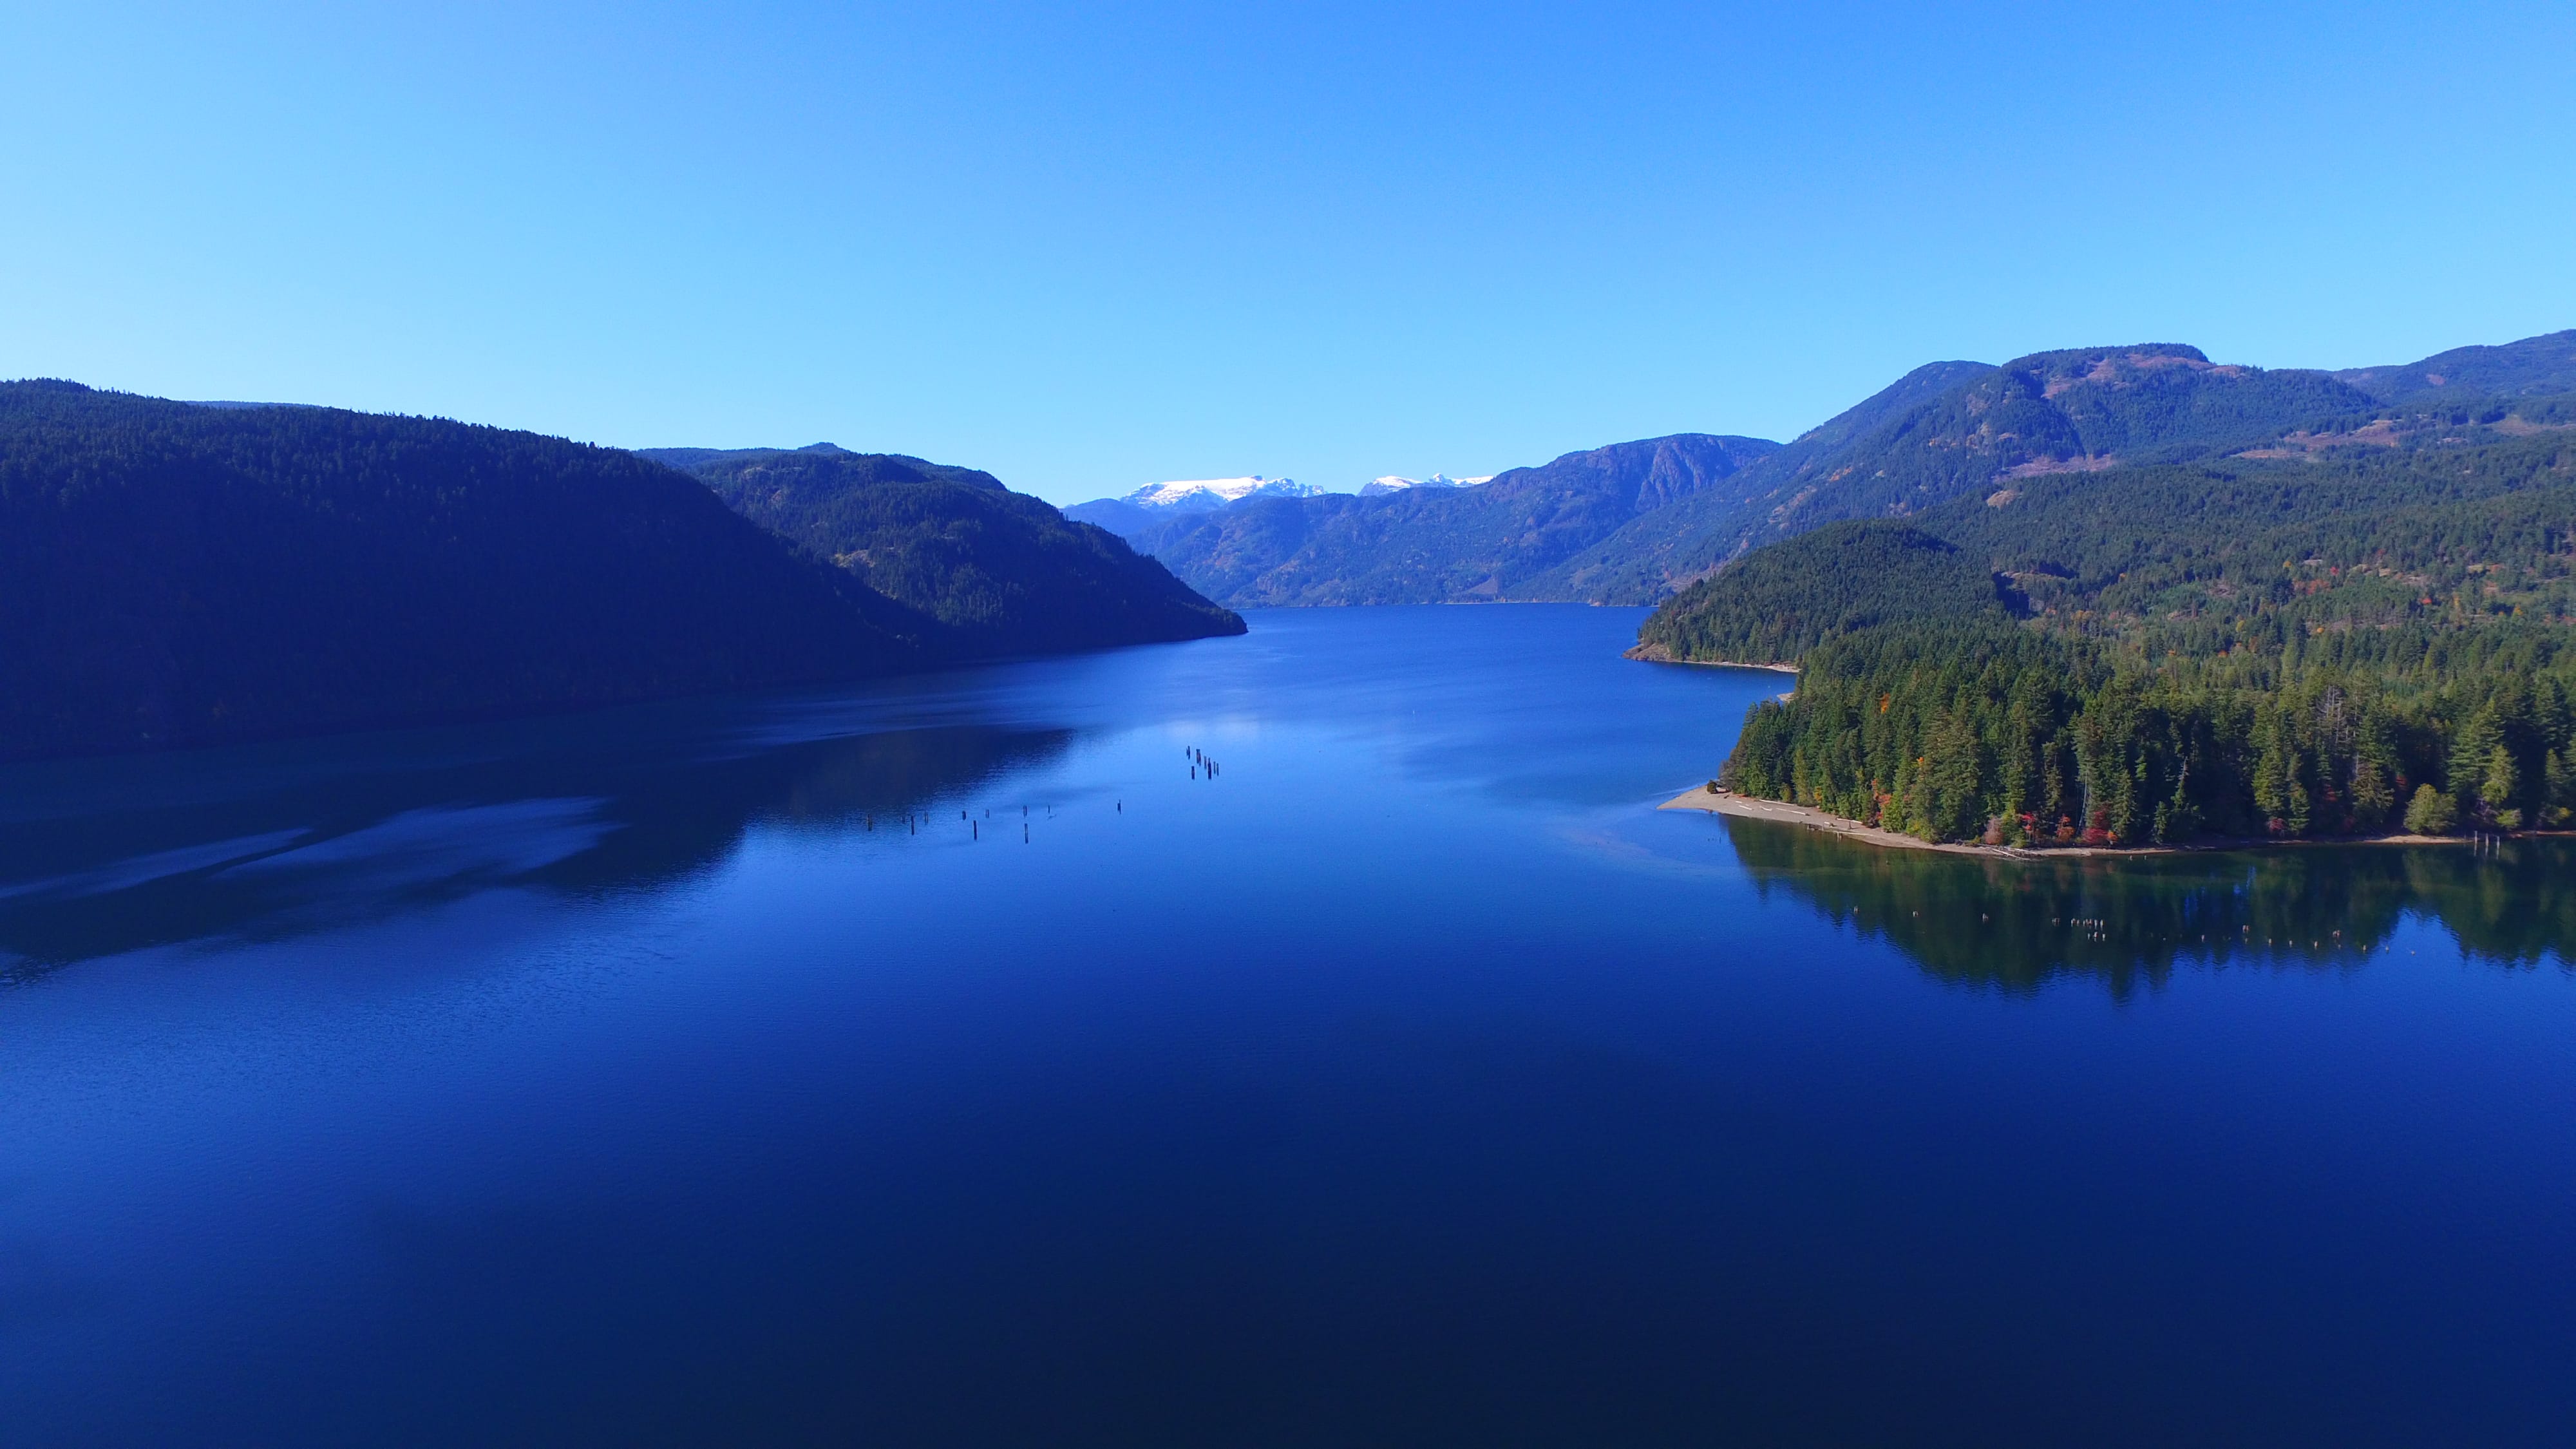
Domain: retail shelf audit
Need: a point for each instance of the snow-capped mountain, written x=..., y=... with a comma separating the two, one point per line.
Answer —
x=1156, y=502
x=1391, y=483
x=1200, y=495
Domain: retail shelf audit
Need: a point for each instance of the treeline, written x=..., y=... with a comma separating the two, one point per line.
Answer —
x=2012, y=736
x=2360, y=535
x=2367, y=640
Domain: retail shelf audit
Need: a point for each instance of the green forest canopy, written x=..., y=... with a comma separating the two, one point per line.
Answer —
x=2357, y=638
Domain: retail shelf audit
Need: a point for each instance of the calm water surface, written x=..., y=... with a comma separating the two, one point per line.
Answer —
x=944, y=1064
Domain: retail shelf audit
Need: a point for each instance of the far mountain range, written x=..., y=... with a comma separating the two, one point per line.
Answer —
x=1633, y=523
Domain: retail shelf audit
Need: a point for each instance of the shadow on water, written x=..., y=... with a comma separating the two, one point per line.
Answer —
x=99, y=857
x=2016, y=924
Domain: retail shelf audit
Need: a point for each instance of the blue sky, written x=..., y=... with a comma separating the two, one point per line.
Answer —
x=1093, y=248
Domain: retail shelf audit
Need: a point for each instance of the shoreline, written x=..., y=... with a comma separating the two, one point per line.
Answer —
x=1750, y=807
x=1652, y=654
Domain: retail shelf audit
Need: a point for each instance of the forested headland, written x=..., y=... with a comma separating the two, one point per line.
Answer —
x=2364, y=626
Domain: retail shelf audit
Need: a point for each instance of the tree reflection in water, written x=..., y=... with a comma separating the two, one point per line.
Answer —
x=275, y=841
x=2015, y=923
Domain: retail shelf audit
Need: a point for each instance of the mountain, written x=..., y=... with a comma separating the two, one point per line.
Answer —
x=1943, y=431
x=173, y=574
x=2530, y=367
x=1662, y=549
x=1205, y=495
x=2467, y=523
x=1906, y=451
x=690, y=460
x=1004, y=573
x=2374, y=633
x=1393, y=483
x=1155, y=502
x=1958, y=428
x=1436, y=545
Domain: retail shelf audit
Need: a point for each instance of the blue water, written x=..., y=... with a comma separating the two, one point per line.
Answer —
x=726, y=1073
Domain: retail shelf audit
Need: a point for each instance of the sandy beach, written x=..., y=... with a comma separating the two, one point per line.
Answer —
x=1655, y=654
x=1755, y=808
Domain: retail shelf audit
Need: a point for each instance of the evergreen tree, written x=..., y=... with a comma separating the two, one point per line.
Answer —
x=1951, y=785
x=2559, y=798
x=2472, y=749
x=2500, y=787
x=2372, y=798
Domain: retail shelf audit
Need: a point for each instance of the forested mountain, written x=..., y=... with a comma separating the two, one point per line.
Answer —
x=1944, y=431
x=173, y=574
x=2050, y=412
x=2369, y=629
x=1423, y=545
x=1004, y=573
x=2531, y=367
x=1663, y=549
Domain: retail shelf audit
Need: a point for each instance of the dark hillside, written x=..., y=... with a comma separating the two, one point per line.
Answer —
x=842, y=464
x=171, y=574
x=2528, y=368
x=1782, y=601
x=1004, y=572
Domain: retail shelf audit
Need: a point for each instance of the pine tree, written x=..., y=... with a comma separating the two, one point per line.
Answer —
x=2558, y=801
x=2276, y=786
x=2372, y=799
x=2471, y=750
x=2500, y=787
x=1951, y=784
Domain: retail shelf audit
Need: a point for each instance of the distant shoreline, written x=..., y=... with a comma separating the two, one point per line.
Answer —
x=1751, y=807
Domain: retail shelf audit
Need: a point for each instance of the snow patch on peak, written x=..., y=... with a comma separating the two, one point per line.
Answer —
x=1194, y=495
x=1392, y=483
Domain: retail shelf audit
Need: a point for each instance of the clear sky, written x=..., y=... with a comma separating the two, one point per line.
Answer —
x=1093, y=248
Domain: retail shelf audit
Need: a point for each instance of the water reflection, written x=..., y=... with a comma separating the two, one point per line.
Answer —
x=102, y=857
x=2017, y=923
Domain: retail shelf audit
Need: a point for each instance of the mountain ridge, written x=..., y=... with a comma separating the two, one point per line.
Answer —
x=1421, y=545
x=1001, y=572
x=1942, y=431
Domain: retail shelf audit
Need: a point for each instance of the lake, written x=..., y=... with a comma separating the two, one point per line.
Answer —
x=956, y=1061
